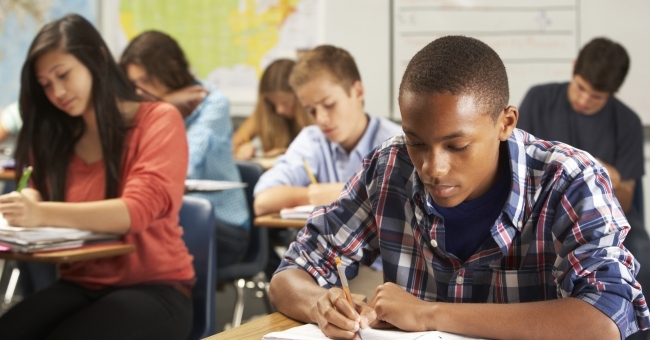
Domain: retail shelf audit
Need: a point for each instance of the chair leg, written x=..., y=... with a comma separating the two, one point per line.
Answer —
x=11, y=288
x=239, y=303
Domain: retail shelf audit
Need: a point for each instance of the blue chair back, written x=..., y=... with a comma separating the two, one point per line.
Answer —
x=197, y=219
x=256, y=257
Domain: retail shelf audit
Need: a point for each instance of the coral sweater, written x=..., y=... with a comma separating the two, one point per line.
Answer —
x=152, y=186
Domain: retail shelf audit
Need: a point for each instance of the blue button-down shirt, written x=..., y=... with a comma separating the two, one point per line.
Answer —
x=209, y=136
x=329, y=162
x=559, y=235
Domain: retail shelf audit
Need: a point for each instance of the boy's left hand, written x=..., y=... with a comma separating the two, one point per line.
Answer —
x=396, y=307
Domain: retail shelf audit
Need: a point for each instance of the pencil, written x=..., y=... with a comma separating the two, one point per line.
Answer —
x=309, y=173
x=24, y=179
x=346, y=289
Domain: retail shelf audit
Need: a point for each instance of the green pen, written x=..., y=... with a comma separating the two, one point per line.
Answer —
x=24, y=178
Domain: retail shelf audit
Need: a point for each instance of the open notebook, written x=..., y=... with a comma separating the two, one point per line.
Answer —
x=312, y=332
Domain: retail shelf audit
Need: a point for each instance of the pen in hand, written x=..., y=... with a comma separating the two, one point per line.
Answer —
x=24, y=179
x=346, y=288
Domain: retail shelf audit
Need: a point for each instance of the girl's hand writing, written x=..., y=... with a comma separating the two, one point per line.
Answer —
x=21, y=209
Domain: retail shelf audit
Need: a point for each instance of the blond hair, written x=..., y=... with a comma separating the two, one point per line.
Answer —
x=328, y=60
x=274, y=130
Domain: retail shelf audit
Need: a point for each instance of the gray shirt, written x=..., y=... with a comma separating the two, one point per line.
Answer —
x=614, y=134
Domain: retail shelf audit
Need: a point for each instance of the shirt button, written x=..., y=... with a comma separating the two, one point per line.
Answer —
x=434, y=243
x=459, y=280
x=520, y=224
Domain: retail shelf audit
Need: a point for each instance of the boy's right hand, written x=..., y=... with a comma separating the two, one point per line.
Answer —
x=337, y=319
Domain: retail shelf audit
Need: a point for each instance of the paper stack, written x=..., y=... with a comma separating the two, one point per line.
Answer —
x=27, y=240
x=300, y=212
x=209, y=185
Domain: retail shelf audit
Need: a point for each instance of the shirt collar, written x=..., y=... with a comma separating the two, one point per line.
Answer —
x=365, y=144
x=514, y=209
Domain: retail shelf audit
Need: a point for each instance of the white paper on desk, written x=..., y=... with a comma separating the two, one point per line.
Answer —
x=312, y=332
x=41, y=233
x=209, y=185
x=300, y=212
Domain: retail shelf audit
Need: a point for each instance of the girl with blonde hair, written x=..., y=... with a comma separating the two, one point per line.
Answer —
x=278, y=116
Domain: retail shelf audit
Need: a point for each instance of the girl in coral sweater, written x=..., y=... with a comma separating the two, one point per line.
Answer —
x=103, y=161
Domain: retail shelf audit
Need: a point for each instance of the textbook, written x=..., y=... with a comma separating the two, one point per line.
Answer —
x=312, y=332
x=300, y=212
x=27, y=240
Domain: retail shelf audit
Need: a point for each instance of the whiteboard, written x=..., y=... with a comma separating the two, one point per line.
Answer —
x=537, y=40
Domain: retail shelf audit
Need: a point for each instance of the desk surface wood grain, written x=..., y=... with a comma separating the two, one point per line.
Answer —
x=274, y=221
x=258, y=328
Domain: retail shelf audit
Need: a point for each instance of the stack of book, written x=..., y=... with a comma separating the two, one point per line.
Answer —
x=300, y=212
x=28, y=240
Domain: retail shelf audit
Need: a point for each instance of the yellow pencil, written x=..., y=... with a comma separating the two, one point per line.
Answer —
x=346, y=288
x=309, y=173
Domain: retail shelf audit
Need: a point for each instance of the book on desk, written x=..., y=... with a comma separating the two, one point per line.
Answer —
x=300, y=212
x=28, y=240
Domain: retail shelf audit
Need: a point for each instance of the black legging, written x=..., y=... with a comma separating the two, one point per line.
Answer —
x=68, y=311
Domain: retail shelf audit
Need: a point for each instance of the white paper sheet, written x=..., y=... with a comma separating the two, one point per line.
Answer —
x=312, y=332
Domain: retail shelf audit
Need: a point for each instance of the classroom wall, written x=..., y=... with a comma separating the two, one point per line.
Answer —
x=363, y=28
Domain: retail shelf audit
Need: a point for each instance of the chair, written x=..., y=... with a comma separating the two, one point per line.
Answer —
x=256, y=258
x=197, y=219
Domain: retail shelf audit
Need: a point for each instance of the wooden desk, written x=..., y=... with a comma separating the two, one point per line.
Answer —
x=71, y=255
x=274, y=221
x=7, y=175
x=265, y=162
x=258, y=328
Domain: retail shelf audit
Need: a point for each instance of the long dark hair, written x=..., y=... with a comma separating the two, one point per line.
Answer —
x=161, y=57
x=48, y=135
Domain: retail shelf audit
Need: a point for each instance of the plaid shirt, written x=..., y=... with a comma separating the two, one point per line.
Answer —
x=559, y=235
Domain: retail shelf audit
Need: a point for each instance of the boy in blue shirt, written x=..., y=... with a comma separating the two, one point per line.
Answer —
x=328, y=85
x=546, y=259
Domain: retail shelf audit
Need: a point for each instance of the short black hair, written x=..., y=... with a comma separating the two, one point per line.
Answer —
x=604, y=64
x=459, y=65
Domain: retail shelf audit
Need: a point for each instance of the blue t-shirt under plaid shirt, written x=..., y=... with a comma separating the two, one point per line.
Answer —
x=559, y=235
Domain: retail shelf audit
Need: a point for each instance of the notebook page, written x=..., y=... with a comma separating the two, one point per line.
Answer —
x=312, y=332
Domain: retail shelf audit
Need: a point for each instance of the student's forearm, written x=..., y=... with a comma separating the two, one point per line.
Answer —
x=567, y=318
x=109, y=216
x=295, y=294
x=274, y=199
x=246, y=131
x=625, y=194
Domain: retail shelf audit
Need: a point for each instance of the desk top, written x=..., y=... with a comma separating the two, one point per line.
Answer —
x=7, y=175
x=258, y=328
x=274, y=221
x=72, y=255
x=265, y=162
